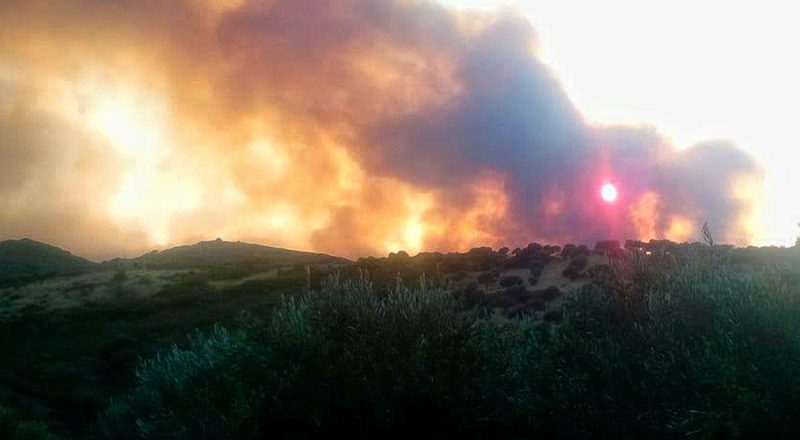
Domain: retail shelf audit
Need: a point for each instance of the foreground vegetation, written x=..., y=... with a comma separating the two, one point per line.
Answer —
x=60, y=365
x=653, y=347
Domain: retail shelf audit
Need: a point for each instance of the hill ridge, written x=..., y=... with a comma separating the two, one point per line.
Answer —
x=220, y=252
x=26, y=258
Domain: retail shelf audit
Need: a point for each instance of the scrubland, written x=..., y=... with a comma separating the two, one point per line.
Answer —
x=695, y=344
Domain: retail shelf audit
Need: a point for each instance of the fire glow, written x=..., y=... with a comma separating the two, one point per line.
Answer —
x=608, y=192
x=352, y=130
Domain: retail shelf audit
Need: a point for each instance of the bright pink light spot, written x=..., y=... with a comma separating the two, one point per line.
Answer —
x=609, y=193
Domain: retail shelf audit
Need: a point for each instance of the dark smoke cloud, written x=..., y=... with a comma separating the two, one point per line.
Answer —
x=447, y=122
x=513, y=117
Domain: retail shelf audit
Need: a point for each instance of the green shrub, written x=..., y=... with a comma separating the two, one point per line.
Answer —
x=685, y=349
x=120, y=276
x=488, y=277
x=537, y=305
x=652, y=349
x=553, y=316
x=13, y=427
x=323, y=363
x=510, y=280
x=549, y=294
x=575, y=266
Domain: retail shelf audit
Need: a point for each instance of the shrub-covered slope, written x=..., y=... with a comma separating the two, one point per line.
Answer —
x=654, y=347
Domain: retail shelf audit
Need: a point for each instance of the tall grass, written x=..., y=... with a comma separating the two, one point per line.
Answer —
x=653, y=348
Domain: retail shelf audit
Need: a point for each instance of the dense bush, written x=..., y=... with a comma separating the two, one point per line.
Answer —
x=651, y=349
x=120, y=276
x=607, y=246
x=531, y=255
x=536, y=272
x=488, y=277
x=343, y=361
x=548, y=294
x=13, y=427
x=536, y=305
x=517, y=293
x=511, y=280
x=575, y=266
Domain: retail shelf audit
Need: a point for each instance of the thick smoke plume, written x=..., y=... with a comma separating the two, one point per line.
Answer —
x=353, y=127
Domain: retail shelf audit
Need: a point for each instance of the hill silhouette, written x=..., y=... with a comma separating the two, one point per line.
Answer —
x=220, y=253
x=28, y=259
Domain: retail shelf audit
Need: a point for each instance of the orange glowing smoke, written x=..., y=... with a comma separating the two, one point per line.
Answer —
x=360, y=127
x=644, y=215
x=680, y=229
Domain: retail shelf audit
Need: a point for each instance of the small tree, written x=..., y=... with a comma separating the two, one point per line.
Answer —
x=709, y=239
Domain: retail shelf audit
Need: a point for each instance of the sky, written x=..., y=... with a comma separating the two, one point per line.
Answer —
x=362, y=127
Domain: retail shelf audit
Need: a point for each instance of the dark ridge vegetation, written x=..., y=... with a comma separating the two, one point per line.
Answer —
x=448, y=267
x=573, y=251
x=532, y=255
x=433, y=265
x=653, y=347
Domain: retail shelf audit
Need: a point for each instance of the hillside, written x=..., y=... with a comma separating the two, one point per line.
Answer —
x=227, y=254
x=26, y=259
x=84, y=334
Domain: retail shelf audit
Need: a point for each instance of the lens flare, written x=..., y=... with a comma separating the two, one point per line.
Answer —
x=609, y=193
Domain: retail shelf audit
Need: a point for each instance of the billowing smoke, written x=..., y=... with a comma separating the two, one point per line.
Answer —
x=353, y=127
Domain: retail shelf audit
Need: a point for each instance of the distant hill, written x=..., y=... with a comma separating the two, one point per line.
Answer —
x=28, y=259
x=219, y=254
